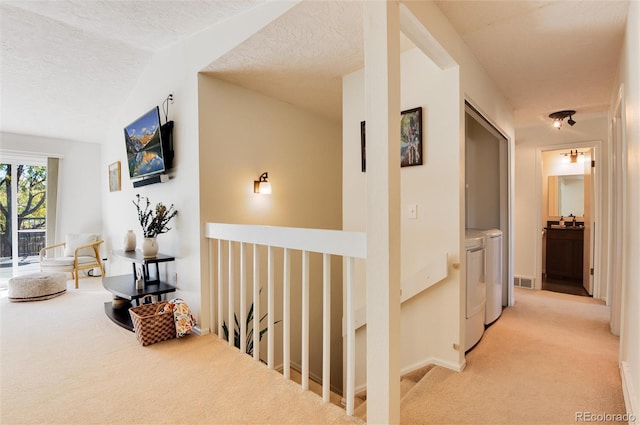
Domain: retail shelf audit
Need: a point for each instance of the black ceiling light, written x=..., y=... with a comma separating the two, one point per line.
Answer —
x=557, y=118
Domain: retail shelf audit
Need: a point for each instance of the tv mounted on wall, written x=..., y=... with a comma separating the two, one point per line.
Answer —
x=143, y=139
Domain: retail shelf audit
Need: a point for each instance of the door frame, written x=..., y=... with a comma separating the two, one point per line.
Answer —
x=596, y=146
x=616, y=255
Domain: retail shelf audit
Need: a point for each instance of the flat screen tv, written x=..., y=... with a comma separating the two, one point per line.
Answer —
x=143, y=140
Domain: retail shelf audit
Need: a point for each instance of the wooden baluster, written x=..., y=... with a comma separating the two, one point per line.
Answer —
x=305, y=320
x=271, y=310
x=243, y=300
x=256, y=303
x=351, y=338
x=231, y=322
x=286, y=315
x=326, y=327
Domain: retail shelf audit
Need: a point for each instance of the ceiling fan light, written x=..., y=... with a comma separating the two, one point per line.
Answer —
x=557, y=123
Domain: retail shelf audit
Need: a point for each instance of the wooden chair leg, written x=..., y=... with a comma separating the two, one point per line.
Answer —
x=76, y=274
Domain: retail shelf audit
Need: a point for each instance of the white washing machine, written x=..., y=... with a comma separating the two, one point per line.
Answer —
x=493, y=275
x=476, y=288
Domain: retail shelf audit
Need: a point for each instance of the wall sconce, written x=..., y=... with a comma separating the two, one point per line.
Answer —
x=262, y=185
x=557, y=118
x=573, y=157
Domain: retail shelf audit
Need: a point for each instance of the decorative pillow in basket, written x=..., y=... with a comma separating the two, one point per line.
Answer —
x=153, y=322
x=182, y=316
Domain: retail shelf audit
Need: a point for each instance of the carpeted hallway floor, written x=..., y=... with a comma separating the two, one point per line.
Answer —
x=64, y=362
x=546, y=360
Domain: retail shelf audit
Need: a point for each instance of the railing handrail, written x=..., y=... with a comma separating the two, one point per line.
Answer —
x=349, y=245
x=335, y=242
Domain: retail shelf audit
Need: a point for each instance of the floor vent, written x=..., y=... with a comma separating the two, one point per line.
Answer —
x=523, y=282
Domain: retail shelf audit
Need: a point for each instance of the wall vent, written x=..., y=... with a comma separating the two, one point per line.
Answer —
x=524, y=282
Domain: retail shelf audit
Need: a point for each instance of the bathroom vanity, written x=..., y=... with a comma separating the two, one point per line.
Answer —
x=565, y=252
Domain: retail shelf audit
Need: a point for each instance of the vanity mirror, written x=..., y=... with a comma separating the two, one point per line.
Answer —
x=566, y=195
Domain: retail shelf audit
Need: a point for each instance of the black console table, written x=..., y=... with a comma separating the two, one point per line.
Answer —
x=125, y=290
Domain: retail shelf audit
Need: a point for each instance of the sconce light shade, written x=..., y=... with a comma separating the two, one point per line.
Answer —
x=573, y=157
x=262, y=185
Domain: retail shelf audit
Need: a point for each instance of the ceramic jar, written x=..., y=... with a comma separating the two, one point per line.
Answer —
x=130, y=241
x=149, y=247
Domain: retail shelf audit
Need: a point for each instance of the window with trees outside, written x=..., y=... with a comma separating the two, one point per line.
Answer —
x=23, y=216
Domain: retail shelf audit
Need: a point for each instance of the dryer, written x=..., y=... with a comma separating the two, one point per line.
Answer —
x=493, y=275
x=476, y=288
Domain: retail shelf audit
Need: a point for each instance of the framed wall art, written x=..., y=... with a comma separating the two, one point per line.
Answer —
x=114, y=177
x=410, y=139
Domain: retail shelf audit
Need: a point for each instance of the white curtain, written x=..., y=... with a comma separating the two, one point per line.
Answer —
x=52, y=199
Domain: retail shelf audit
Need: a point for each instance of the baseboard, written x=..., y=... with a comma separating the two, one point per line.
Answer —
x=630, y=394
x=448, y=365
x=432, y=360
x=200, y=331
x=312, y=376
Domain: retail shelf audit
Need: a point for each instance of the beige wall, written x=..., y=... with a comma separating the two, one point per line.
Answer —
x=244, y=133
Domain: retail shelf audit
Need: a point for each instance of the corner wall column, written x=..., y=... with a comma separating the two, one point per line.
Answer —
x=382, y=100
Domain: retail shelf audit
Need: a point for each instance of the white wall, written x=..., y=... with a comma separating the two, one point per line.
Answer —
x=436, y=188
x=81, y=179
x=175, y=70
x=431, y=321
x=629, y=72
x=244, y=133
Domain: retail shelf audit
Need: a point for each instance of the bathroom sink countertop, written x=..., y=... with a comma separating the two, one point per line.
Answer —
x=557, y=226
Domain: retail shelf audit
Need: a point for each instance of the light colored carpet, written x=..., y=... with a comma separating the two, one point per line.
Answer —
x=65, y=362
x=547, y=358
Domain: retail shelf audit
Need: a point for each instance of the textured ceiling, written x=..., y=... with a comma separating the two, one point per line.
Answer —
x=66, y=64
x=301, y=57
x=545, y=56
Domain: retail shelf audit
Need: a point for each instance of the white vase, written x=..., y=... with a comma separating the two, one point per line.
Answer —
x=149, y=247
x=130, y=241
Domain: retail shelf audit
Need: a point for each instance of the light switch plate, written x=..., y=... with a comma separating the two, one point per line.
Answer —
x=412, y=211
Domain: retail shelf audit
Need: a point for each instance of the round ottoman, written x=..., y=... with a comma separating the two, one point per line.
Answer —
x=37, y=286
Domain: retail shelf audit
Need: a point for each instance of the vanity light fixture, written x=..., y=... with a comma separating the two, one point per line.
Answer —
x=262, y=185
x=573, y=156
x=559, y=116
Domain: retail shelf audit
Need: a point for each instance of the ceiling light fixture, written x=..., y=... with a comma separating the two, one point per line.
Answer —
x=557, y=118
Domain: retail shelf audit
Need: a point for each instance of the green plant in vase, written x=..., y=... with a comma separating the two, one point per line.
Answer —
x=248, y=328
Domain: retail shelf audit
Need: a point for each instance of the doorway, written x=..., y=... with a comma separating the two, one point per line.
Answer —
x=487, y=187
x=23, y=215
x=568, y=199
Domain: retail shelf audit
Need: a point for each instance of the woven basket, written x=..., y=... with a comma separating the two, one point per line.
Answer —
x=150, y=325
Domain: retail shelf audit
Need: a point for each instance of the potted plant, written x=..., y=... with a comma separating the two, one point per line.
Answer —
x=249, y=330
x=153, y=221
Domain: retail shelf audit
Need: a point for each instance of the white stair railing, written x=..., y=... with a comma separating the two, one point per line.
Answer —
x=349, y=245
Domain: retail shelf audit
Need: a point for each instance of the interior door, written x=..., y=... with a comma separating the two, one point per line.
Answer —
x=589, y=222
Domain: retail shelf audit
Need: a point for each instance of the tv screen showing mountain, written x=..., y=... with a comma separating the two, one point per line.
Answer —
x=143, y=141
